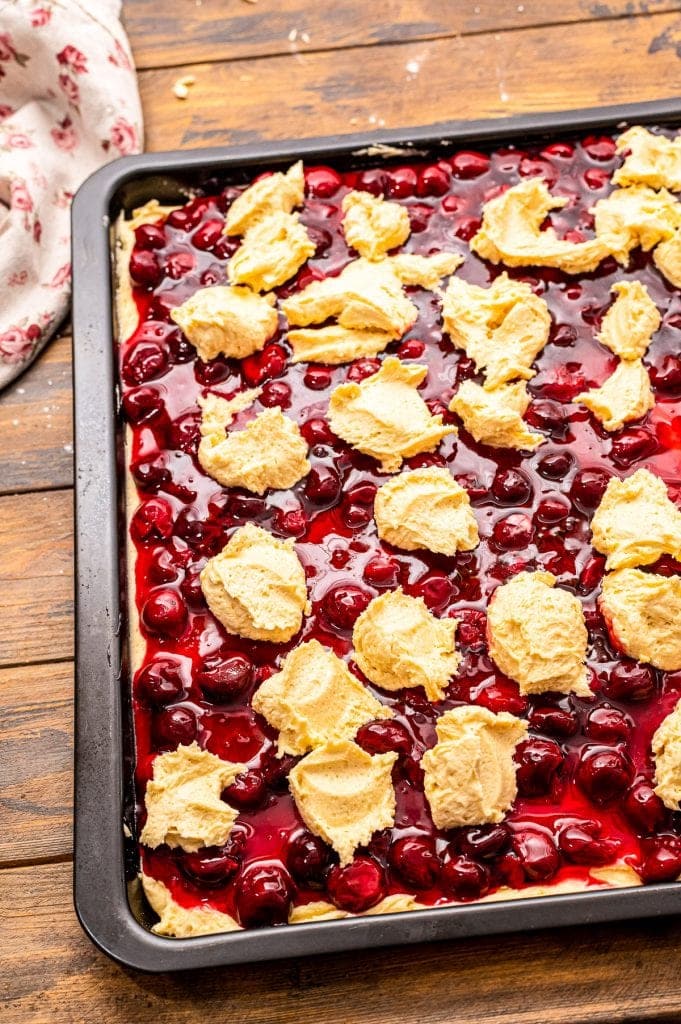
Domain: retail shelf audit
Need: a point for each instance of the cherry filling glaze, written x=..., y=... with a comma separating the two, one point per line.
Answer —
x=585, y=773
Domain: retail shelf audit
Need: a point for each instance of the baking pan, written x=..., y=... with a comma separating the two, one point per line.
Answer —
x=107, y=894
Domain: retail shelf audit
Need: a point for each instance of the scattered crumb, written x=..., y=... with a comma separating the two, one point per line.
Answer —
x=354, y=120
x=182, y=86
x=293, y=35
x=68, y=448
x=250, y=1
x=413, y=67
x=304, y=37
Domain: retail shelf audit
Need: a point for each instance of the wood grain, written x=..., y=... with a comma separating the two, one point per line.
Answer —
x=36, y=577
x=488, y=75
x=53, y=975
x=35, y=792
x=35, y=424
x=165, y=35
x=366, y=65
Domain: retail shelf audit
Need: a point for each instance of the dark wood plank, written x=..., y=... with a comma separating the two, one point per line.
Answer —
x=36, y=576
x=36, y=762
x=415, y=83
x=164, y=35
x=601, y=974
x=35, y=424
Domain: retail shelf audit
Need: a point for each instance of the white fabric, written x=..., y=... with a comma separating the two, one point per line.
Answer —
x=68, y=104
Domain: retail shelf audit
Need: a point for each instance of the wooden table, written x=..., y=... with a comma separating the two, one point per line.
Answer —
x=342, y=66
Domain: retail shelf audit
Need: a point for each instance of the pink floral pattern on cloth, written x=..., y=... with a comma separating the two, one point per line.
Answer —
x=68, y=104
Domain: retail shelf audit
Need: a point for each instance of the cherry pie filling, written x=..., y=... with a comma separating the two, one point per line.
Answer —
x=585, y=775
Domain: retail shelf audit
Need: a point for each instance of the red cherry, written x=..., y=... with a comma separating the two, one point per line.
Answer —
x=144, y=362
x=484, y=842
x=562, y=150
x=213, y=274
x=472, y=629
x=145, y=268
x=419, y=217
x=599, y=147
x=164, y=614
x=160, y=682
x=469, y=164
x=666, y=375
x=294, y=522
x=191, y=588
x=644, y=808
x=553, y=509
x=607, y=725
x=513, y=532
x=185, y=219
x=537, y=854
x=588, y=487
x=548, y=415
x=465, y=228
x=210, y=866
x=317, y=431
x=263, y=894
x=592, y=573
x=535, y=167
x=413, y=348
x=150, y=236
x=402, y=182
x=276, y=392
x=435, y=588
x=317, y=378
x=383, y=736
x=416, y=860
x=269, y=363
x=554, y=721
x=373, y=181
x=661, y=858
x=276, y=769
x=223, y=677
x=581, y=845
x=632, y=445
x=213, y=372
x=208, y=234
x=344, y=603
x=452, y=204
x=142, y=405
x=604, y=774
x=162, y=304
x=511, y=487
x=433, y=181
x=248, y=790
x=358, y=886
x=174, y=727
x=363, y=368
x=564, y=335
x=308, y=858
x=322, y=182
x=150, y=474
x=595, y=178
x=381, y=571
x=177, y=264
x=245, y=506
x=152, y=520
x=322, y=485
x=464, y=878
x=538, y=761
x=630, y=681
x=356, y=516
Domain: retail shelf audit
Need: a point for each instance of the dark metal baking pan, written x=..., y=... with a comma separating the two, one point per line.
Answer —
x=107, y=896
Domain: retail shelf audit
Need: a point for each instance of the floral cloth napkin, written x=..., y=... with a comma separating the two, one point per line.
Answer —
x=68, y=103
